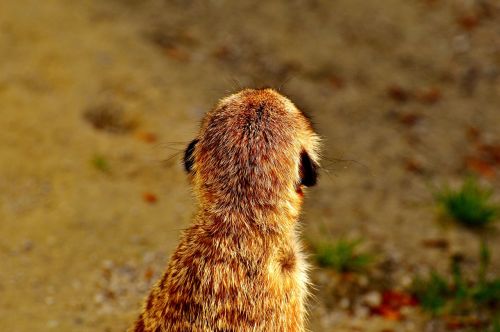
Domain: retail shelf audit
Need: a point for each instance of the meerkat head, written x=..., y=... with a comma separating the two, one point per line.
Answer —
x=254, y=149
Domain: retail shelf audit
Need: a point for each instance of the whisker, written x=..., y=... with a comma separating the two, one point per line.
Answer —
x=175, y=146
x=236, y=83
x=167, y=162
x=327, y=172
x=285, y=81
x=332, y=161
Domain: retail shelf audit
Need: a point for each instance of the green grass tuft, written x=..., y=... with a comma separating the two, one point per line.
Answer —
x=495, y=326
x=454, y=295
x=432, y=293
x=342, y=256
x=100, y=163
x=469, y=205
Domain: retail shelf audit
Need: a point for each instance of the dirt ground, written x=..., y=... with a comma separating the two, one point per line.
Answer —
x=98, y=99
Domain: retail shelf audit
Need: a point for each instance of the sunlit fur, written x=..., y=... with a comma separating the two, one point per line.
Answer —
x=240, y=266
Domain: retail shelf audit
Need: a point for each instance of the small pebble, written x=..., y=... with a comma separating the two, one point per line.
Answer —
x=344, y=303
x=27, y=246
x=372, y=299
x=406, y=281
x=99, y=298
x=53, y=323
x=361, y=311
x=461, y=43
x=108, y=264
x=363, y=280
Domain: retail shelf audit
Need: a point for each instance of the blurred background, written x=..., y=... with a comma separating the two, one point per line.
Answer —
x=98, y=99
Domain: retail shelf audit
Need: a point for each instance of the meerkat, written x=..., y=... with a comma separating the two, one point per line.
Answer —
x=240, y=265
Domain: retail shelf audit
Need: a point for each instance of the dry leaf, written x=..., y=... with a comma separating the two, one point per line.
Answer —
x=429, y=95
x=146, y=136
x=398, y=93
x=149, y=197
x=480, y=166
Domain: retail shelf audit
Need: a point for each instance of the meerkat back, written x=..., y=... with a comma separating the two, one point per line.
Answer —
x=240, y=266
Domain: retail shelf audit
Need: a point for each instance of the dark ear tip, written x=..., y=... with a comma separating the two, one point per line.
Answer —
x=308, y=170
x=188, y=156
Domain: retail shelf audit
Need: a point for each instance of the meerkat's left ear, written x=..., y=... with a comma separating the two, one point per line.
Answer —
x=308, y=169
x=188, y=156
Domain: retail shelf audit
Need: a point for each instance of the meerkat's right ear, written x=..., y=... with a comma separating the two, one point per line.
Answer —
x=308, y=170
x=188, y=156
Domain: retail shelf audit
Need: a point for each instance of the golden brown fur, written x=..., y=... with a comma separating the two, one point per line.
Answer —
x=240, y=266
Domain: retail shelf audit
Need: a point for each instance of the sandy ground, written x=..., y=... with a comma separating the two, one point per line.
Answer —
x=91, y=205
